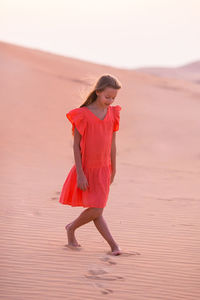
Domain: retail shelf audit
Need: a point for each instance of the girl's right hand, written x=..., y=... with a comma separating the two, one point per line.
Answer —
x=82, y=182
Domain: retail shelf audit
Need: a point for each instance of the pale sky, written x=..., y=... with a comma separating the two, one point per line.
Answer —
x=126, y=34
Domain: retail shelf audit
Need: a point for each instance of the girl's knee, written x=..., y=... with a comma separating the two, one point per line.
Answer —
x=97, y=211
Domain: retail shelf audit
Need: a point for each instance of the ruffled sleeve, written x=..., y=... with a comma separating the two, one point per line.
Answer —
x=78, y=120
x=116, y=113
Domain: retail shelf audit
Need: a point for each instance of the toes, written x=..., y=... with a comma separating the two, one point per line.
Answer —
x=116, y=252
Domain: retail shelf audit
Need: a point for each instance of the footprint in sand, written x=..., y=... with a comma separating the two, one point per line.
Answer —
x=97, y=271
x=101, y=274
x=108, y=260
x=103, y=290
x=106, y=291
x=56, y=198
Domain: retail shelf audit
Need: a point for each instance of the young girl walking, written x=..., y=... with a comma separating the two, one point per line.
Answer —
x=94, y=126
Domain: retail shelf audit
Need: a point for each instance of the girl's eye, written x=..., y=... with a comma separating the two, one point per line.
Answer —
x=110, y=97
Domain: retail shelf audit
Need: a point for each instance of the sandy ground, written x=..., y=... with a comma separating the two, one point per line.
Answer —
x=154, y=201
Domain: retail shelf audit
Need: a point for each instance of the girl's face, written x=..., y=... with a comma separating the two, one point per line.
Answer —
x=107, y=96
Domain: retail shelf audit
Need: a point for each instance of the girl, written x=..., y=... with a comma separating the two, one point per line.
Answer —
x=94, y=126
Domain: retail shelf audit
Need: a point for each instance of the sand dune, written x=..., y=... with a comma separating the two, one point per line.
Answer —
x=189, y=72
x=154, y=201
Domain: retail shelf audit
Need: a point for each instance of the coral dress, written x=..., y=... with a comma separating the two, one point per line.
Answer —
x=95, y=148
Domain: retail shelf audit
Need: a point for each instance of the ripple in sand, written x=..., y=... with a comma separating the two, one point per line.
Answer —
x=125, y=253
x=178, y=199
x=105, y=277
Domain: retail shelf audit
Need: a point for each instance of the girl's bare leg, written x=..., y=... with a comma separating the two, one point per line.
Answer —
x=86, y=216
x=72, y=241
x=102, y=227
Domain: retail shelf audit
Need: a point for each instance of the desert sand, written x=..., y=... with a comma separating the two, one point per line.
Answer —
x=154, y=201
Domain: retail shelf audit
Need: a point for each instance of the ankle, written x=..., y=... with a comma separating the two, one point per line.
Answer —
x=70, y=227
x=114, y=246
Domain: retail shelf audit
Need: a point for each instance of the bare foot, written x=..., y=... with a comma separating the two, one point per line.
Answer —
x=116, y=250
x=71, y=237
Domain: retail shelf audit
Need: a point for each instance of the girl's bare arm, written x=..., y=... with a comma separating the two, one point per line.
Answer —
x=82, y=182
x=77, y=151
x=113, y=153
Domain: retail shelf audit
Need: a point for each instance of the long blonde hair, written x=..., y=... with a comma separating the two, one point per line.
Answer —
x=104, y=81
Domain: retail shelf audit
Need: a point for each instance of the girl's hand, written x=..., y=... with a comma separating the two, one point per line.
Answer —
x=112, y=176
x=82, y=182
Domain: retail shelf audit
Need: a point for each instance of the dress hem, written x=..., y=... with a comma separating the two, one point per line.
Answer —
x=80, y=205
